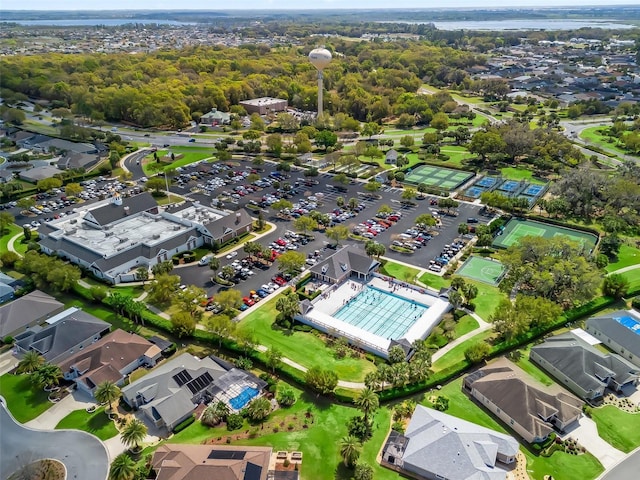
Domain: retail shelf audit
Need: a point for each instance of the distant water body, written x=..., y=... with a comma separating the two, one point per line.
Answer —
x=93, y=22
x=542, y=24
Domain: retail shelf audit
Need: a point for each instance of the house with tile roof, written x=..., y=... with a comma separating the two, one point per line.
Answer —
x=66, y=333
x=219, y=462
x=582, y=368
x=619, y=331
x=438, y=446
x=110, y=359
x=511, y=395
x=26, y=312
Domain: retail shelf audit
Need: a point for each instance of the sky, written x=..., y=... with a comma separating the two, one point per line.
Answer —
x=295, y=4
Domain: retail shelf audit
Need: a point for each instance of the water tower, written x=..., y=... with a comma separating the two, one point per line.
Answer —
x=320, y=58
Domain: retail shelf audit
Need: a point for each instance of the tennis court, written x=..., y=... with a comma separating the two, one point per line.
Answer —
x=509, y=186
x=518, y=228
x=533, y=190
x=474, y=192
x=444, y=178
x=486, y=182
x=482, y=269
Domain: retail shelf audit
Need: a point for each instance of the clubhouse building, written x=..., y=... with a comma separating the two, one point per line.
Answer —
x=115, y=237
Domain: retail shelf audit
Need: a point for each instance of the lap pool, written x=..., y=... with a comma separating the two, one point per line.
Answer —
x=381, y=313
x=240, y=401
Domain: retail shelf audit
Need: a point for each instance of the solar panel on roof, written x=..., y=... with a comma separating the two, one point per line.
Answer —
x=226, y=454
x=182, y=377
x=252, y=472
x=200, y=383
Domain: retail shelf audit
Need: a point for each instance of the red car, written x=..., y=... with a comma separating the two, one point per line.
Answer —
x=279, y=280
x=248, y=301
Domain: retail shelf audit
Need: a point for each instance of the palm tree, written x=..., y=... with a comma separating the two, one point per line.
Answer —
x=107, y=392
x=215, y=413
x=122, y=468
x=258, y=409
x=288, y=305
x=134, y=433
x=350, y=450
x=47, y=375
x=31, y=362
x=367, y=402
x=214, y=264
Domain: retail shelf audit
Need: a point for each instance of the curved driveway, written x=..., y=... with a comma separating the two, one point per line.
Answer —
x=84, y=456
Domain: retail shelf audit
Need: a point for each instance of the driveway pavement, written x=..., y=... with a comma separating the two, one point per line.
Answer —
x=83, y=455
x=48, y=420
x=7, y=362
x=587, y=435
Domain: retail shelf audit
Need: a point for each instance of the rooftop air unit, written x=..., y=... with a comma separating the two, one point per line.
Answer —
x=156, y=236
x=124, y=239
x=73, y=220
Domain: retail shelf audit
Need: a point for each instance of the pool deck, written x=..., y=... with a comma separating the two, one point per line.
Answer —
x=328, y=303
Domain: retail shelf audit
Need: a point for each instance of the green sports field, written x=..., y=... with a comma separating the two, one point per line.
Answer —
x=518, y=228
x=444, y=178
x=482, y=269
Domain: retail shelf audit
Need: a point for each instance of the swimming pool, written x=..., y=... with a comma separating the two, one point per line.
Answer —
x=381, y=313
x=248, y=393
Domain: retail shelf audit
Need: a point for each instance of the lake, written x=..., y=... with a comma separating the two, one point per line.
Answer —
x=540, y=24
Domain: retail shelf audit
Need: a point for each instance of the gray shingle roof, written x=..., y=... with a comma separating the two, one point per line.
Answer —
x=15, y=316
x=623, y=327
x=107, y=214
x=345, y=260
x=454, y=448
x=234, y=221
x=55, y=340
x=581, y=362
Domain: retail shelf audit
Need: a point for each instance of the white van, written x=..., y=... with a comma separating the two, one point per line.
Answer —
x=205, y=260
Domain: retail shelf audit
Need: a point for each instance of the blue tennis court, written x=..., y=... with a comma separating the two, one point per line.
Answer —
x=533, y=190
x=248, y=394
x=381, y=313
x=474, y=192
x=487, y=182
x=509, y=186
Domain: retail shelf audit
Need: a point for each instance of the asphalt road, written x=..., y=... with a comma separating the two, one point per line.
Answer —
x=625, y=470
x=84, y=456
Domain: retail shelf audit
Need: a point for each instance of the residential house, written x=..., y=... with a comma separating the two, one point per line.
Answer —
x=619, y=331
x=583, y=369
x=111, y=358
x=8, y=287
x=440, y=446
x=6, y=175
x=346, y=262
x=219, y=462
x=169, y=394
x=26, y=312
x=65, y=334
x=531, y=412
x=391, y=157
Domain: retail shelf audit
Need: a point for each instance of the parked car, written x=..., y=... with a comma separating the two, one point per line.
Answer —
x=231, y=255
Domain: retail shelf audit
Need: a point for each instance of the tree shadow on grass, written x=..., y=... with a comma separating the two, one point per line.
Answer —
x=98, y=421
x=342, y=472
x=320, y=402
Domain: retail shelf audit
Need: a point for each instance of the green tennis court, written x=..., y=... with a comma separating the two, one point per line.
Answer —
x=444, y=178
x=482, y=269
x=517, y=228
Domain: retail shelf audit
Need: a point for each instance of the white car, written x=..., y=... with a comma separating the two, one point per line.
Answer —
x=266, y=288
x=231, y=255
x=205, y=260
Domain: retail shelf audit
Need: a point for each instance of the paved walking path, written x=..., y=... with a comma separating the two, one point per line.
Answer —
x=483, y=326
x=11, y=241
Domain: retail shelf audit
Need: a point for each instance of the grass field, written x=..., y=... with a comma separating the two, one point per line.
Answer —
x=190, y=155
x=593, y=135
x=434, y=281
x=399, y=271
x=518, y=174
x=633, y=277
x=487, y=300
x=620, y=429
x=96, y=423
x=9, y=232
x=454, y=161
x=304, y=348
x=456, y=354
x=482, y=269
x=627, y=256
x=24, y=400
x=517, y=228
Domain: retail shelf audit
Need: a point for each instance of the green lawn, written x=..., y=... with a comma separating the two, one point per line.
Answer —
x=319, y=443
x=24, y=400
x=20, y=245
x=399, y=271
x=434, y=281
x=531, y=368
x=465, y=325
x=487, y=299
x=304, y=348
x=562, y=466
x=626, y=256
x=9, y=232
x=455, y=158
x=620, y=429
x=518, y=174
x=96, y=423
x=190, y=155
x=633, y=277
x=593, y=135
x=456, y=354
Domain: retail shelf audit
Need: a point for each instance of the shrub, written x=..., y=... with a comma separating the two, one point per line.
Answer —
x=398, y=427
x=234, y=422
x=182, y=425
